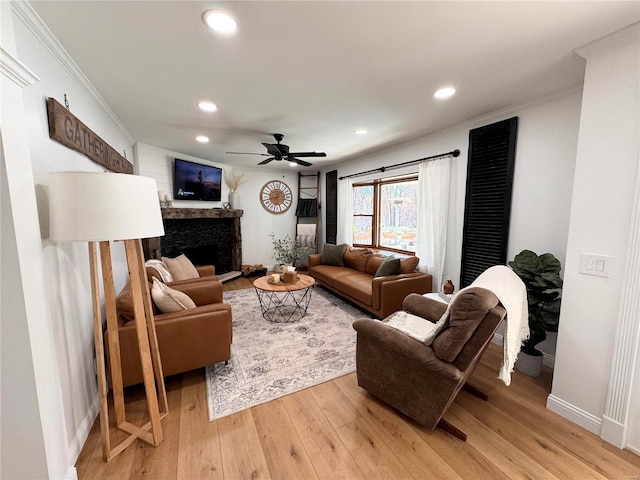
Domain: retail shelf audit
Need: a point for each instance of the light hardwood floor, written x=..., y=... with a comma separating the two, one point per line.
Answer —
x=336, y=430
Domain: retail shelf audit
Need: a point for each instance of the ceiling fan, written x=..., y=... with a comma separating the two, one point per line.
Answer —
x=280, y=151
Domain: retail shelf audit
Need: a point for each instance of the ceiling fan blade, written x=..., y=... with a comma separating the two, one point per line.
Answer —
x=272, y=148
x=264, y=162
x=300, y=162
x=308, y=154
x=247, y=153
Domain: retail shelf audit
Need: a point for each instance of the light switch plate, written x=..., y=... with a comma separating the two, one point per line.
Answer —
x=595, y=264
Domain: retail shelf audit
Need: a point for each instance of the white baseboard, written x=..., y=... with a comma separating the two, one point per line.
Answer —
x=574, y=414
x=82, y=433
x=72, y=473
x=547, y=359
x=633, y=449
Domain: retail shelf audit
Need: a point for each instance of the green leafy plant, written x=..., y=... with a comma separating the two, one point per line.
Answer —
x=541, y=276
x=286, y=250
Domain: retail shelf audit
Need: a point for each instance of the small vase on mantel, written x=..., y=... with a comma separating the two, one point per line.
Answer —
x=448, y=287
x=234, y=199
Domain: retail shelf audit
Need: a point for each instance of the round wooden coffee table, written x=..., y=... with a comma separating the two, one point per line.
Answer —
x=284, y=302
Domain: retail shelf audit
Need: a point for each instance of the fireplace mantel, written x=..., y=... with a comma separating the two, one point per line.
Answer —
x=187, y=228
x=188, y=213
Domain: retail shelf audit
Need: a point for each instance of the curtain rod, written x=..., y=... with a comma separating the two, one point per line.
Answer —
x=454, y=153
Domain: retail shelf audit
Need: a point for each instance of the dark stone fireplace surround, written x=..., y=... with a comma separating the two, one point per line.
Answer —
x=205, y=236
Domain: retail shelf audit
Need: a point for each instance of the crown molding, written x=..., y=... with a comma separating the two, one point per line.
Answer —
x=15, y=70
x=28, y=16
x=630, y=34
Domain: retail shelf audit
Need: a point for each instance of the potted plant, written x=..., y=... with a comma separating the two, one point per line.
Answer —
x=287, y=251
x=541, y=276
x=233, y=182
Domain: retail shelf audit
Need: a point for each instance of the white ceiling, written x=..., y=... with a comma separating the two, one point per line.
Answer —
x=315, y=71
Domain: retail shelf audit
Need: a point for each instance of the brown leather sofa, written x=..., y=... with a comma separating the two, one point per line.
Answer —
x=188, y=339
x=356, y=282
x=422, y=381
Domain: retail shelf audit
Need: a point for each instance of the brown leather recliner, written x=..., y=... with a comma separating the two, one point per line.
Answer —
x=188, y=339
x=422, y=381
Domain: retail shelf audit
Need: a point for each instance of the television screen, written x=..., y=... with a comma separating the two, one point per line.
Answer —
x=194, y=181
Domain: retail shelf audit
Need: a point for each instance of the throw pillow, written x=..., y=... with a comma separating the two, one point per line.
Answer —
x=389, y=266
x=374, y=263
x=333, y=254
x=161, y=269
x=181, y=268
x=409, y=264
x=169, y=300
x=357, y=258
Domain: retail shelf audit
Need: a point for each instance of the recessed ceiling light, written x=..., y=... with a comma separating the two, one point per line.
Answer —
x=208, y=107
x=202, y=139
x=444, y=92
x=220, y=22
x=292, y=164
x=360, y=131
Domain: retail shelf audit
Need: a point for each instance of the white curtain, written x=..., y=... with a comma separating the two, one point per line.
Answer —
x=433, y=211
x=345, y=212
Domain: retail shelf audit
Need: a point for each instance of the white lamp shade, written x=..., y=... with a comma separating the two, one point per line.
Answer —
x=90, y=206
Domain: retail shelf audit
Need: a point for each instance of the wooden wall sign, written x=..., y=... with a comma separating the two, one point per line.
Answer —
x=65, y=128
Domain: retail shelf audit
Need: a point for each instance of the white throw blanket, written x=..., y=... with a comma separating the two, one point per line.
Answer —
x=416, y=327
x=512, y=293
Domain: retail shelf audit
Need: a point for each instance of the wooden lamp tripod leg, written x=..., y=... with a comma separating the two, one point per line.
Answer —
x=99, y=349
x=151, y=432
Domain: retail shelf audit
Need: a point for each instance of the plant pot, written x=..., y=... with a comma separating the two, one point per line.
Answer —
x=530, y=364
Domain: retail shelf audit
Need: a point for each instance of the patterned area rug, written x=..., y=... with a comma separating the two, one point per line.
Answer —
x=270, y=360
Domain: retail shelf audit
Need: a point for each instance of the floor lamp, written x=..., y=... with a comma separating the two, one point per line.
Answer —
x=99, y=208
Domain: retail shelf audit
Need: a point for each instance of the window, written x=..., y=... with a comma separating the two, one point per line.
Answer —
x=385, y=214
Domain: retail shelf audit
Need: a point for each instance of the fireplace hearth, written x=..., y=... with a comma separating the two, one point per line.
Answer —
x=205, y=236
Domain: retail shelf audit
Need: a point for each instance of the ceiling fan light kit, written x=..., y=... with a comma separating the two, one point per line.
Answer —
x=279, y=151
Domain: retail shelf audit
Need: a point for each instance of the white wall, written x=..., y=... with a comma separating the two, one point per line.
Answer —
x=57, y=287
x=606, y=169
x=23, y=456
x=256, y=223
x=545, y=158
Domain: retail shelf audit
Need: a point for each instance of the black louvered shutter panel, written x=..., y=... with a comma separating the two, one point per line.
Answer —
x=492, y=150
x=331, y=206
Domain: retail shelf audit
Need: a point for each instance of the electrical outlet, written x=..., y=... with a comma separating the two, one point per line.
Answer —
x=595, y=264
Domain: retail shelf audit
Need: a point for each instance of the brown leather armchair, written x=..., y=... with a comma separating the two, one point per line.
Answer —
x=188, y=339
x=422, y=381
x=206, y=272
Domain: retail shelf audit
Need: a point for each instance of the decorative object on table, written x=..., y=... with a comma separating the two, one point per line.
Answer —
x=78, y=211
x=448, y=287
x=271, y=360
x=226, y=205
x=287, y=251
x=276, y=197
x=233, y=181
x=541, y=276
x=290, y=277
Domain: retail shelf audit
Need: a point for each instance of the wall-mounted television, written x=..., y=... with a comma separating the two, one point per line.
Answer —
x=195, y=181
